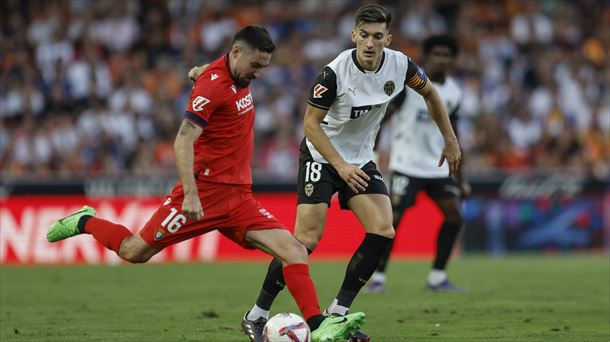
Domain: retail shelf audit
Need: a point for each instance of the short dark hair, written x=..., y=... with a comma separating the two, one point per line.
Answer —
x=373, y=13
x=440, y=40
x=255, y=37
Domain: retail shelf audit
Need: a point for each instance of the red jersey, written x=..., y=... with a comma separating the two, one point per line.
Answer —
x=226, y=114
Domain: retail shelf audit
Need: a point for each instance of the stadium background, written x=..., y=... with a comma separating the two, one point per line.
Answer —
x=92, y=93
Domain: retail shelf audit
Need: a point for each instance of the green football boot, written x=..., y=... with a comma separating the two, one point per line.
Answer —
x=68, y=226
x=337, y=328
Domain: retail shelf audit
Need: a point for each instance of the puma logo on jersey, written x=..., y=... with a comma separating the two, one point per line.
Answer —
x=213, y=77
x=318, y=90
x=167, y=201
x=352, y=90
x=199, y=102
x=233, y=88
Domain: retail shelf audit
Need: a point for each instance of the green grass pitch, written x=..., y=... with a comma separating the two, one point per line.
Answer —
x=523, y=298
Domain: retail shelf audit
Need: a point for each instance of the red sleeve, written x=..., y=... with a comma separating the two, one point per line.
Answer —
x=203, y=102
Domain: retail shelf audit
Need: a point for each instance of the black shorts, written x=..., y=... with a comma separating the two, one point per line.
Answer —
x=318, y=182
x=403, y=189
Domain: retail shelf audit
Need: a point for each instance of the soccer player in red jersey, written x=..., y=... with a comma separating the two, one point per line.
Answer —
x=213, y=150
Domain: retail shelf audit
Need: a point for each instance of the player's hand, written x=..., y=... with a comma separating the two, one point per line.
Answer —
x=465, y=189
x=191, y=207
x=453, y=155
x=194, y=73
x=356, y=179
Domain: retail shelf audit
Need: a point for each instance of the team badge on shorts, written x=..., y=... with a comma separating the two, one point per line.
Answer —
x=388, y=88
x=308, y=189
x=159, y=233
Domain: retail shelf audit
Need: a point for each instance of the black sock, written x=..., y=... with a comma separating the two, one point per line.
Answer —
x=81, y=223
x=272, y=285
x=361, y=267
x=383, y=263
x=385, y=258
x=314, y=322
x=444, y=244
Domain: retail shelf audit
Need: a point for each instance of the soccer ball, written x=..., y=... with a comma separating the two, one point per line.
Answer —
x=286, y=327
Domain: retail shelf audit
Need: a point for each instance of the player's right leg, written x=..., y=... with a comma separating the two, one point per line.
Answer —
x=113, y=236
x=377, y=282
x=310, y=222
x=293, y=257
x=317, y=183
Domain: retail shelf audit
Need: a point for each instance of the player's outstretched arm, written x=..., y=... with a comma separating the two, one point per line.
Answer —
x=436, y=108
x=355, y=178
x=185, y=154
x=194, y=73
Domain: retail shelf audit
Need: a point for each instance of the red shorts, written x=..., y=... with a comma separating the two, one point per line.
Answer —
x=231, y=209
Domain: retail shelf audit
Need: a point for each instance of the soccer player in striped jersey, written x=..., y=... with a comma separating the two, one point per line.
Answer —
x=415, y=144
x=346, y=104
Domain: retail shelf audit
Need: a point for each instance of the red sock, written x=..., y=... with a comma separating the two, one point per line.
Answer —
x=107, y=233
x=301, y=287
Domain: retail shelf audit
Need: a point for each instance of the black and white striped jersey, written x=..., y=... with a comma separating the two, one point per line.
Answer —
x=417, y=143
x=356, y=100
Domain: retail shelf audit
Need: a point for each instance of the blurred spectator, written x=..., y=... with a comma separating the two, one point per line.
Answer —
x=99, y=87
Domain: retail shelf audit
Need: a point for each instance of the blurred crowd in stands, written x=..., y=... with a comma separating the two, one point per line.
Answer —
x=99, y=87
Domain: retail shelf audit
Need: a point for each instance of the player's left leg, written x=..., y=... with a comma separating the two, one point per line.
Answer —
x=113, y=236
x=449, y=204
x=258, y=228
x=403, y=190
x=374, y=212
x=293, y=256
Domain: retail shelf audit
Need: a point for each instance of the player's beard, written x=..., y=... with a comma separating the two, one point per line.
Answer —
x=242, y=83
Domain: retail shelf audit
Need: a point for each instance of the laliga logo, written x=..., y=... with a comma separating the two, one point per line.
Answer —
x=290, y=331
x=199, y=102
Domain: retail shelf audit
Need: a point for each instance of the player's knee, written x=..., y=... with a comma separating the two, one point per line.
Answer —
x=308, y=241
x=309, y=234
x=135, y=250
x=381, y=226
x=387, y=231
x=132, y=252
x=293, y=253
x=135, y=256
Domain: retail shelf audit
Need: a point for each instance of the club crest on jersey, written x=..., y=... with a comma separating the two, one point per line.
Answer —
x=199, y=102
x=388, y=88
x=318, y=90
x=159, y=233
x=308, y=189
